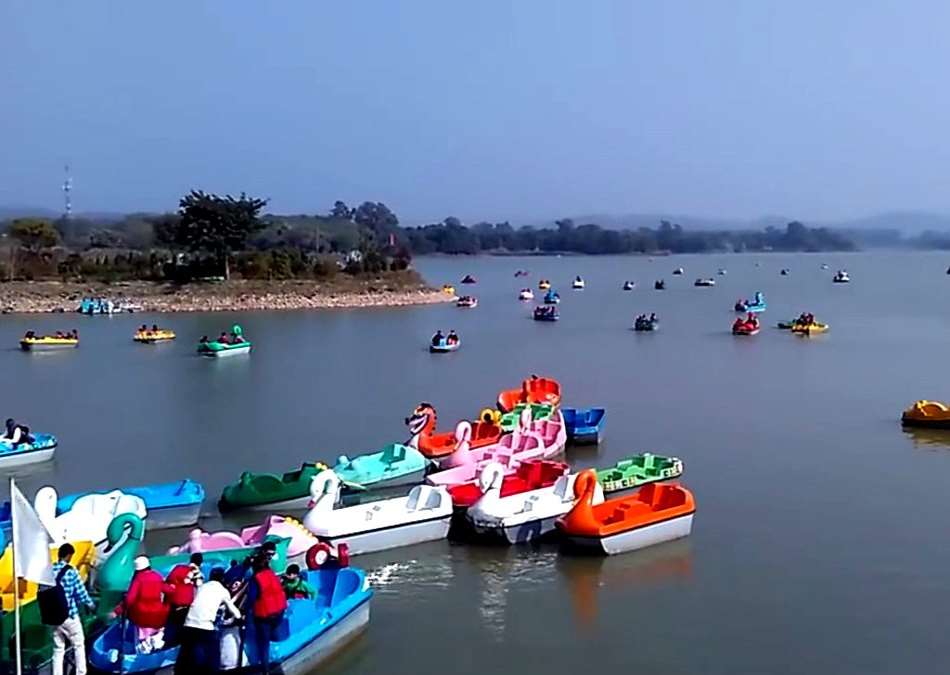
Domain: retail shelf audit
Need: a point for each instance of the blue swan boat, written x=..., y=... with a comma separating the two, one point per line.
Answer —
x=312, y=630
x=584, y=425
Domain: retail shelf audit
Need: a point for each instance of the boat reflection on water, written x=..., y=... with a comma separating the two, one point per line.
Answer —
x=652, y=567
x=931, y=439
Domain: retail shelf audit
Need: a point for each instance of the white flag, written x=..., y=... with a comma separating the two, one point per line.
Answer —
x=31, y=541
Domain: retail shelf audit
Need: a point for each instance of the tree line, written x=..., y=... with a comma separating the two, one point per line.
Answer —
x=451, y=237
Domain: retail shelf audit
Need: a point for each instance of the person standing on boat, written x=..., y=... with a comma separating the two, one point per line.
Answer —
x=145, y=606
x=181, y=585
x=71, y=629
x=200, y=642
x=268, y=604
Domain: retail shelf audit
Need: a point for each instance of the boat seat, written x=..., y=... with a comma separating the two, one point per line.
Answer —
x=424, y=497
x=394, y=453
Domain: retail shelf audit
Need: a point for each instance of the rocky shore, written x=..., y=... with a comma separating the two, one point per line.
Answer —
x=240, y=296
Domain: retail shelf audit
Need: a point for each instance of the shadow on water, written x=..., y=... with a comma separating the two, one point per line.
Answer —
x=929, y=439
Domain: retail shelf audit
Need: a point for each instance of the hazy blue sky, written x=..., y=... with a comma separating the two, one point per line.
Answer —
x=520, y=109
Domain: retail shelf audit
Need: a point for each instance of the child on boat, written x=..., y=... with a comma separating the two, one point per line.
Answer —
x=294, y=585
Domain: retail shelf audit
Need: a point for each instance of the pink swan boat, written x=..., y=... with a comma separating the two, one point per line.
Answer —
x=285, y=527
x=531, y=440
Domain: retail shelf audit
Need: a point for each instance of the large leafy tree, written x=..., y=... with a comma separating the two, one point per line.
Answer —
x=33, y=234
x=218, y=225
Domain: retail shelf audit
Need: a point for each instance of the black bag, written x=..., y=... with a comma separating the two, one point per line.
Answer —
x=54, y=609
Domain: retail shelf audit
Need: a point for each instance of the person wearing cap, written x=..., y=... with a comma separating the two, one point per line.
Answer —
x=144, y=604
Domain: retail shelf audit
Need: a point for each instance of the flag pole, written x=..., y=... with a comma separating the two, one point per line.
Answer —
x=16, y=583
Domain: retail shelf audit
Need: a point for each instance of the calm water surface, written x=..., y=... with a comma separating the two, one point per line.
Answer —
x=819, y=543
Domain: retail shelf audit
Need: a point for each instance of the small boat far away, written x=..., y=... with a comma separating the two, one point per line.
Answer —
x=708, y=281
x=578, y=284
x=629, y=285
x=467, y=302
x=841, y=277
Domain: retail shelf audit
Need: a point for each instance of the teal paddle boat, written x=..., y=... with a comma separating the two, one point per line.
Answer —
x=396, y=465
x=231, y=345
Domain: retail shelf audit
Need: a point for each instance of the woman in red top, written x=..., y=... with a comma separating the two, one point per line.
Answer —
x=269, y=605
x=145, y=605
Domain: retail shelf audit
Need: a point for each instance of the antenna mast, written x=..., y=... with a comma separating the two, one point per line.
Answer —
x=67, y=188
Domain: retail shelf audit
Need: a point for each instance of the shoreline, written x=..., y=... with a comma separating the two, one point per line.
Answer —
x=45, y=297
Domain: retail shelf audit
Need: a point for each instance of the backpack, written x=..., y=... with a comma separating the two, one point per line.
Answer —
x=54, y=608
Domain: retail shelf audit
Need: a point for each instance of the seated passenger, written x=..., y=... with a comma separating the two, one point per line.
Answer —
x=437, y=338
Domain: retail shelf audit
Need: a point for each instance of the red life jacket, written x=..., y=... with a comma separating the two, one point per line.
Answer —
x=270, y=599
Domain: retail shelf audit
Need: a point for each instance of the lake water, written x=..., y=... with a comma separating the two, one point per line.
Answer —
x=819, y=544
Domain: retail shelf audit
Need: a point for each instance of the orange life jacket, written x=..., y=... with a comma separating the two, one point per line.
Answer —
x=270, y=599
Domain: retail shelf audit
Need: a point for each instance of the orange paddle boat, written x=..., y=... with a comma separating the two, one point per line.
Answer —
x=533, y=390
x=422, y=425
x=656, y=513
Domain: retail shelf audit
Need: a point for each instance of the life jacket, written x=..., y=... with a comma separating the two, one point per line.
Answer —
x=270, y=599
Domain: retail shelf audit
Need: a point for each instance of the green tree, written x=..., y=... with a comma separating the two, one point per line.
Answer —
x=34, y=234
x=218, y=225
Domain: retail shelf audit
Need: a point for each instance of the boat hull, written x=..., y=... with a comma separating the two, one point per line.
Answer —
x=13, y=459
x=332, y=641
x=46, y=347
x=395, y=536
x=925, y=423
x=519, y=533
x=637, y=538
x=221, y=353
x=168, y=517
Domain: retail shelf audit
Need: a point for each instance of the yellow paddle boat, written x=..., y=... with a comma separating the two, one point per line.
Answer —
x=83, y=560
x=813, y=328
x=153, y=335
x=448, y=289
x=932, y=414
x=37, y=343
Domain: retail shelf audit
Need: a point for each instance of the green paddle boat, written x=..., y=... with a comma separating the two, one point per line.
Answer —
x=267, y=490
x=638, y=470
x=395, y=465
x=235, y=344
x=539, y=411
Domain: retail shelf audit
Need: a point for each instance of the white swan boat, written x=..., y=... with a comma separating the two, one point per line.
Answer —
x=526, y=294
x=524, y=516
x=423, y=515
x=88, y=518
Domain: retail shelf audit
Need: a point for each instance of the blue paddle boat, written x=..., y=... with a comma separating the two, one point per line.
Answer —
x=168, y=505
x=584, y=425
x=552, y=297
x=311, y=631
x=40, y=449
x=396, y=465
x=757, y=304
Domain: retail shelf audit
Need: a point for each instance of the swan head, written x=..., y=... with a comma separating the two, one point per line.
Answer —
x=421, y=419
x=463, y=435
x=491, y=477
x=324, y=489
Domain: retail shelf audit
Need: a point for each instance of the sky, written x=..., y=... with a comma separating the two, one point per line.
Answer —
x=519, y=110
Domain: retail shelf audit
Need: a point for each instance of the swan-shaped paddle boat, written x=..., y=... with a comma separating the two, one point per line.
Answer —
x=655, y=513
x=578, y=284
x=526, y=516
x=422, y=515
x=629, y=285
x=467, y=302
x=531, y=474
x=89, y=516
x=311, y=631
x=433, y=445
x=678, y=271
x=281, y=527
x=532, y=440
x=841, y=277
x=526, y=294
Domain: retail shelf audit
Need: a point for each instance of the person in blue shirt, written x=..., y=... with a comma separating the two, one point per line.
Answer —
x=71, y=629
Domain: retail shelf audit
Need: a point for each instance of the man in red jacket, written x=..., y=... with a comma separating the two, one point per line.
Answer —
x=180, y=587
x=269, y=604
